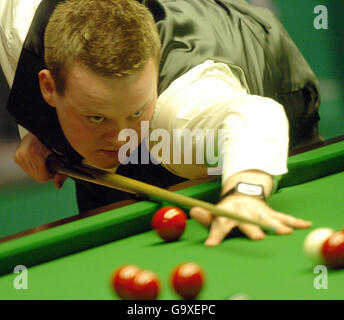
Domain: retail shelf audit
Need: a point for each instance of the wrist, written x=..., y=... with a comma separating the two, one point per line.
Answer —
x=246, y=189
x=249, y=177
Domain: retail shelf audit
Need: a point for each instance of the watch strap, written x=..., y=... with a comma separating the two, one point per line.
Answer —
x=228, y=193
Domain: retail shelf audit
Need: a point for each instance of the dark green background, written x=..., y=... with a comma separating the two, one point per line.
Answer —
x=324, y=51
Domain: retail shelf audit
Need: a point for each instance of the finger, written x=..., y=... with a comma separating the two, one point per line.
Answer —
x=279, y=227
x=34, y=166
x=41, y=172
x=291, y=221
x=253, y=232
x=59, y=180
x=201, y=215
x=31, y=155
x=219, y=230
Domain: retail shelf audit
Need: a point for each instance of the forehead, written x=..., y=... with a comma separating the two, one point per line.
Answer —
x=89, y=90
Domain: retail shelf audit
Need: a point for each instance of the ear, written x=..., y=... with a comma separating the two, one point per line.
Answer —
x=47, y=86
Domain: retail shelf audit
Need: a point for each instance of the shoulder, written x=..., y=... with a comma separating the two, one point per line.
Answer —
x=210, y=76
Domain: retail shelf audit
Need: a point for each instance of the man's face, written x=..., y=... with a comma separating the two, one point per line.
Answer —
x=94, y=109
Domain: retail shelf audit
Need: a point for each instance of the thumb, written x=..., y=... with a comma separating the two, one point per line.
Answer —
x=203, y=216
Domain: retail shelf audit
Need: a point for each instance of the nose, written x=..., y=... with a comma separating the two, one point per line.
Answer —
x=114, y=135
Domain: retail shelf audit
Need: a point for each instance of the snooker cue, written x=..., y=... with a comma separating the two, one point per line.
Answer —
x=116, y=181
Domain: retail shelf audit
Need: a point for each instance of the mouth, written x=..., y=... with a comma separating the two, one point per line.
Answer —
x=109, y=153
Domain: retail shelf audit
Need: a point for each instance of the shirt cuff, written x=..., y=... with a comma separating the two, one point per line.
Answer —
x=22, y=132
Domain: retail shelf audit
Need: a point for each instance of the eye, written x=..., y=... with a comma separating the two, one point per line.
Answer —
x=137, y=114
x=96, y=119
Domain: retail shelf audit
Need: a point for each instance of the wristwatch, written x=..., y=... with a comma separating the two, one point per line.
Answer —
x=248, y=189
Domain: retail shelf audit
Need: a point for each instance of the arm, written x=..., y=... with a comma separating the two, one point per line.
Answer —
x=254, y=150
x=15, y=20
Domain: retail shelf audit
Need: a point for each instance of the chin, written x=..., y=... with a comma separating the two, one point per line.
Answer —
x=108, y=164
x=104, y=163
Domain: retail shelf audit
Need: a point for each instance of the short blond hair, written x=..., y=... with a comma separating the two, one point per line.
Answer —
x=113, y=38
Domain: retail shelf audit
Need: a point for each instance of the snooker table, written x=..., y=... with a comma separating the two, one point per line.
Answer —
x=74, y=258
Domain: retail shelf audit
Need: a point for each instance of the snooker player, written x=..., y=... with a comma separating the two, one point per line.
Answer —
x=107, y=65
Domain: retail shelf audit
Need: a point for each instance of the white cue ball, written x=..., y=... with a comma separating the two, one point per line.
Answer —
x=313, y=243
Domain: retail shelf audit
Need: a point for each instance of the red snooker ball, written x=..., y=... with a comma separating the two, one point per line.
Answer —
x=169, y=223
x=187, y=280
x=121, y=279
x=333, y=250
x=144, y=286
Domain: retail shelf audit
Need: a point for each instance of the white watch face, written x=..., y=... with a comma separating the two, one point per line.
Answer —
x=250, y=189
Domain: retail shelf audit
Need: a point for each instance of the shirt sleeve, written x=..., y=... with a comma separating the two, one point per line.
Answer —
x=252, y=131
x=15, y=20
x=255, y=137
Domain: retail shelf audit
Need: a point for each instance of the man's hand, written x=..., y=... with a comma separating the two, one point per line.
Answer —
x=31, y=156
x=249, y=207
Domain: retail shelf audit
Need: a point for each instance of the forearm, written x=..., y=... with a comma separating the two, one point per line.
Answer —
x=256, y=145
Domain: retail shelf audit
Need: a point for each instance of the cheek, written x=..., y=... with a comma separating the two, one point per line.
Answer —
x=76, y=131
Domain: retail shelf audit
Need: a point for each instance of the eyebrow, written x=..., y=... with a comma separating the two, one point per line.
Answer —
x=91, y=111
x=83, y=109
x=142, y=107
